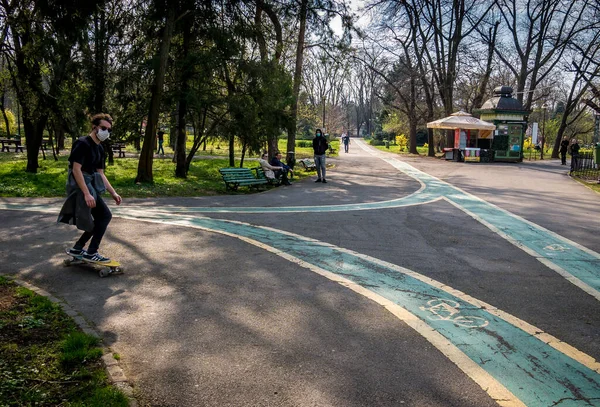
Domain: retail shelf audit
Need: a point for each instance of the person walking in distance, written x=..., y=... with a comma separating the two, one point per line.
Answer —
x=564, y=147
x=574, y=156
x=346, y=141
x=84, y=206
x=160, y=136
x=320, y=147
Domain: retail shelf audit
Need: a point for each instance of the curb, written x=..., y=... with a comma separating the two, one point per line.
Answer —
x=116, y=375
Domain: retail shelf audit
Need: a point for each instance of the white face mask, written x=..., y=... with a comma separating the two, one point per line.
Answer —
x=102, y=134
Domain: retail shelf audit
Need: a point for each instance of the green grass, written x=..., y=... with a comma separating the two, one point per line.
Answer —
x=49, y=181
x=203, y=177
x=44, y=359
x=222, y=149
x=78, y=348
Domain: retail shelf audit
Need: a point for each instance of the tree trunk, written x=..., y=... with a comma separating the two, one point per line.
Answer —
x=231, y=150
x=59, y=131
x=51, y=137
x=272, y=145
x=291, y=141
x=146, y=156
x=34, y=131
x=243, y=155
x=180, y=158
x=412, y=135
x=138, y=138
x=199, y=138
x=181, y=167
x=100, y=57
x=107, y=145
x=478, y=100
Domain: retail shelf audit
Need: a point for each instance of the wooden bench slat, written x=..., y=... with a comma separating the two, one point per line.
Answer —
x=235, y=177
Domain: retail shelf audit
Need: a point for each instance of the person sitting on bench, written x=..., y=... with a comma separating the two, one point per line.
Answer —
x=273, y=172
x=276, y=162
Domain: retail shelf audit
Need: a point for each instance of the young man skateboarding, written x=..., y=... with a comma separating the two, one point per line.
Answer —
x=84, y=206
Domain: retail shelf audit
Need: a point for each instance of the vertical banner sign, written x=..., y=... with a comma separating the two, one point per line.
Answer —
x=534, y=133
x=456, y=138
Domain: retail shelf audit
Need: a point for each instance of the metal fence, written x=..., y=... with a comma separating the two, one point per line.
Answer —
x=586, y=167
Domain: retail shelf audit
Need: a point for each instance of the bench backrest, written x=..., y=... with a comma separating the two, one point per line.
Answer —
x=231, y=174
x=260, y=173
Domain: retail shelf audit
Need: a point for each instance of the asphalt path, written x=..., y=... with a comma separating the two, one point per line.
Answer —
x=279, y=308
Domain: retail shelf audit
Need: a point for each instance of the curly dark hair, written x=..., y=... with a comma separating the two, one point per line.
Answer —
x=97, y=118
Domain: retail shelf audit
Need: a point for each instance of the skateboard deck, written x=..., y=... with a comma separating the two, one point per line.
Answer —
x=104, y=269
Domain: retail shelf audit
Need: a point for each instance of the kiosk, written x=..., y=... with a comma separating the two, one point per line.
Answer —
x=468, y=130
x=508, y=115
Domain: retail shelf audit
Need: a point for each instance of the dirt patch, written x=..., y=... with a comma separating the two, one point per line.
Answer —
x=7, y=299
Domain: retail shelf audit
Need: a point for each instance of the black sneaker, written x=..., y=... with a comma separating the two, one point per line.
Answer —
x=96, y=257
x=318, y=180
x=324, y=181
x=75, y=252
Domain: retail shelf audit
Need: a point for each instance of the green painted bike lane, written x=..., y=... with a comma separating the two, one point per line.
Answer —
x=579, y=265
x=535, y=372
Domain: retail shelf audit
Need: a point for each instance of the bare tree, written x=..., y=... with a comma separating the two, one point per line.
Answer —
x=443, y=26
x=539, y=39
x=585, y=68
x=144, y=173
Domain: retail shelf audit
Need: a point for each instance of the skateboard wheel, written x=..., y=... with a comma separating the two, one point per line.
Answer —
x=67, y=262
x=103, y=273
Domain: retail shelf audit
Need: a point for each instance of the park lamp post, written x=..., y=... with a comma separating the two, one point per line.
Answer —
x=544, y=107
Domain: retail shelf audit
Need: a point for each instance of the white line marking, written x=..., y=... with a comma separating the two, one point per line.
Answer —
x=488, y=383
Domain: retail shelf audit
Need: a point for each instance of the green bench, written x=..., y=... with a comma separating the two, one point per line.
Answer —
x=260, y=174
x=308, y=164
x=240, y=177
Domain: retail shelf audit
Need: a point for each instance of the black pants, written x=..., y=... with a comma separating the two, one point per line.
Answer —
x=574, y=162
x=282, y=175
x=102, y=217
x=563, y=158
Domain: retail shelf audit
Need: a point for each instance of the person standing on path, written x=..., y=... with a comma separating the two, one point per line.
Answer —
x=160, y=136
x=346, y=141
x=574, y=156
x=320, y=147
x=564, y=147
x=84, y=206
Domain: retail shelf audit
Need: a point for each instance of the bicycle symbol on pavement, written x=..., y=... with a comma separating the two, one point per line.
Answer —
x=448, y=310
x=556, y=248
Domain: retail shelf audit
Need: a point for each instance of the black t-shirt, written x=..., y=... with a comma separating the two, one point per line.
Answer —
x=87, y=153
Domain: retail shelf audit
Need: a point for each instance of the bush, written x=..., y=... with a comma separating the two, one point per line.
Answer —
x=11, y=121
x=304, y=143
x=375, y=142
x=401, y=141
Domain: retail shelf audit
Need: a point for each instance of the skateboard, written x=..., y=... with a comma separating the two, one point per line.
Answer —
x=104, y=269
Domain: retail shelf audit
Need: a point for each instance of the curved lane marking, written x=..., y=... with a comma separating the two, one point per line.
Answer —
x=576, y=263
x=516, y=363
